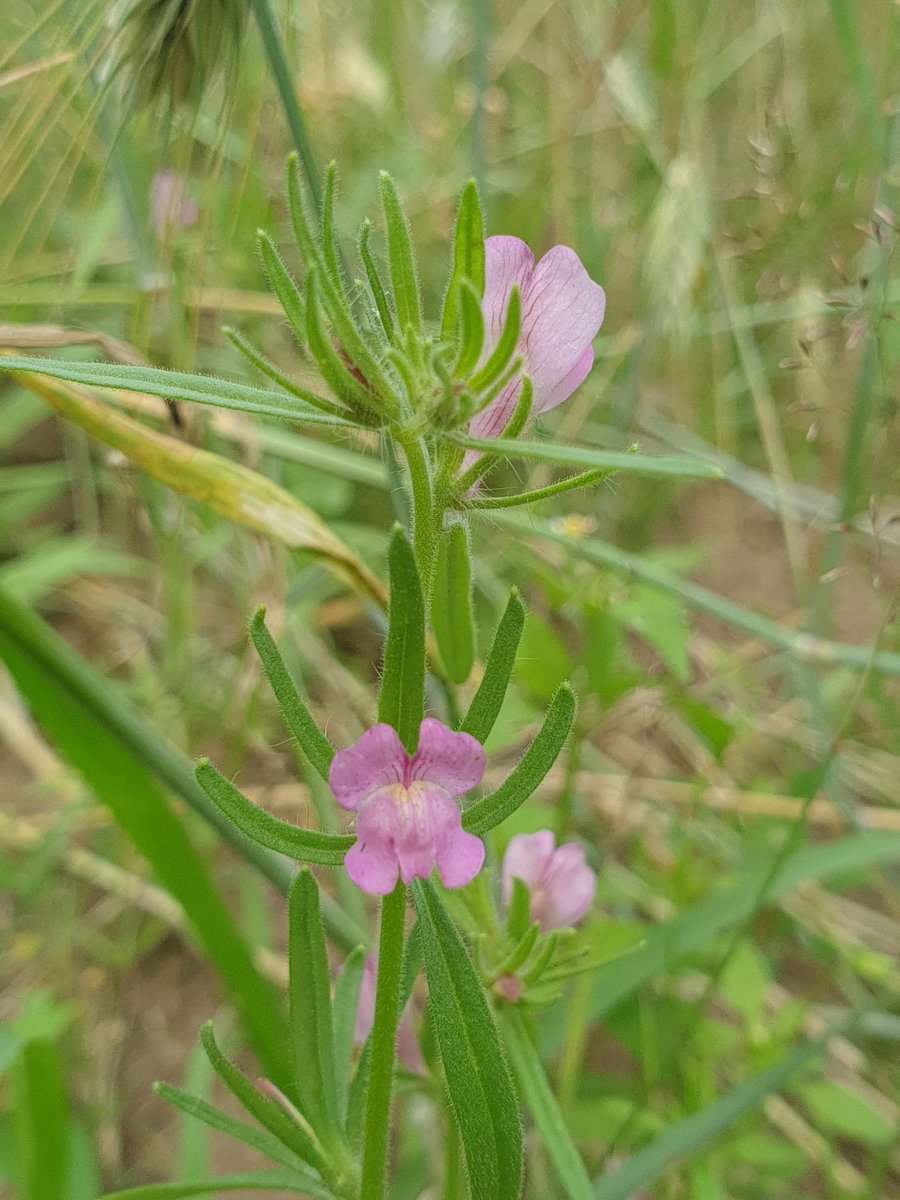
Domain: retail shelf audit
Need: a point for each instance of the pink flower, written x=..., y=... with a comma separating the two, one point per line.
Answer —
x=407, y=1045
x=169, y=208
x=562, y=309
x=406, y=816
x=561, y=883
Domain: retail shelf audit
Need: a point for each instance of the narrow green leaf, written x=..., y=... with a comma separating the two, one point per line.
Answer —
x=310, y=1005
x=471, y=329
x=545, y=1111
x=173, y=385
x=501, y=356
x=537, y=760
x=282, y=283
x=201, y=1110
x=468, y=257
x=303, y=845
x=451, y=604
x=257, y=359
x=488, y=700
x=42, y=1125
x=311, y=740
x=518, y=914
x=583, y=456
x=249, y=1181
x=330, y=254
x=401, y=702
x=689, y=1136
x=95, y=729
x=401, y=259
x=479, y=1087
x=332, y=366
x=271, y=1115
x=520, y=951
x=344, y=1006
x=574, y=483
x=375, y=282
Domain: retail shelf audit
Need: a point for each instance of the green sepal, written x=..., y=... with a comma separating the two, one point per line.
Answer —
x=488, y=700
x=311, y=740
x=501, y=356
x=401, y=702
x=530, y=770
x=201, y=1110
x=267, y=367
x=267, y=1112
x=375, y=282
x=522, y=411
x=401, y=259
x=283, y=285
x=331, y=364
x=344, y=1006
x=451, y=603
x=471, y=329
x=330, y=255
x=518, y=913
x=309, y=999
x=479, y=1086
x=303, y=845
x=542, y=959
x=333, y=301
x=468, y=257
x=519, y=952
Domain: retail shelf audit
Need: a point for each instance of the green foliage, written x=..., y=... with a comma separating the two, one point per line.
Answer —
x=451, y=604
x=488, y=700
x=401, y=701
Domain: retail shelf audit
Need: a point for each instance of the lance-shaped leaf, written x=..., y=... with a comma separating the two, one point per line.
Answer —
x=545, y=1111
x=278, y=1181
x=471, y=329
x=479, y=1086
x=401, y=259
x=468, y=257
x=311, y=740
x=501, y=356
x=303, y=845
x=330, y=254
x=530, y=770
x=201, y=1110
x=670, y=466
x=234, y=491
x=401, y=702
x=257, y=359
x=172, y=385
x=282, y=283
x=294, y=1133
x=451, y=604
x=488, y=700
x=344, y=382
x=309, y=994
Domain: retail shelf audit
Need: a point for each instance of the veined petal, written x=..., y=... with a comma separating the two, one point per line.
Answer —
x=455, y=761
x=562, y=310
x=507, y=260
x=491, y=421
x=377, y=760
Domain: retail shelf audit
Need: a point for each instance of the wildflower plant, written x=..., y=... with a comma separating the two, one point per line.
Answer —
x=448, y=397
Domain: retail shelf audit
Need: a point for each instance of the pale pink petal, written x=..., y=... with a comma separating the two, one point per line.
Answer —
x=491, y=421
x=365, y=1008
x=376, y=760
x=562, y=310
x=527, y=858
x=453, y=760
x=507, y=260
x=372, y=868
x=564, y=388
x=460, y=856
x=569, y=887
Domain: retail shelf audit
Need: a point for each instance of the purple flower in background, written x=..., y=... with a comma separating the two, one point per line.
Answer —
x=169, y=207
x=407, y=1045
x=407, y=819
x=562, y=309
x=561, y=883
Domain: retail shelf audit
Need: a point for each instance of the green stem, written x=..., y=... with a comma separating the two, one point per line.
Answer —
x=424, y=514
x=573, y=483
x=383, y=1044
x=274, y=48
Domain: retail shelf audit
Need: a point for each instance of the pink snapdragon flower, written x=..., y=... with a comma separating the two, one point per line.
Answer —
x=407, y=819
x=561, y=884
x=562, y=310
x=408, y=1050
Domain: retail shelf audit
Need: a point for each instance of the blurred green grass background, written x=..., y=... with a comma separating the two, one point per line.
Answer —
x=731, y=174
